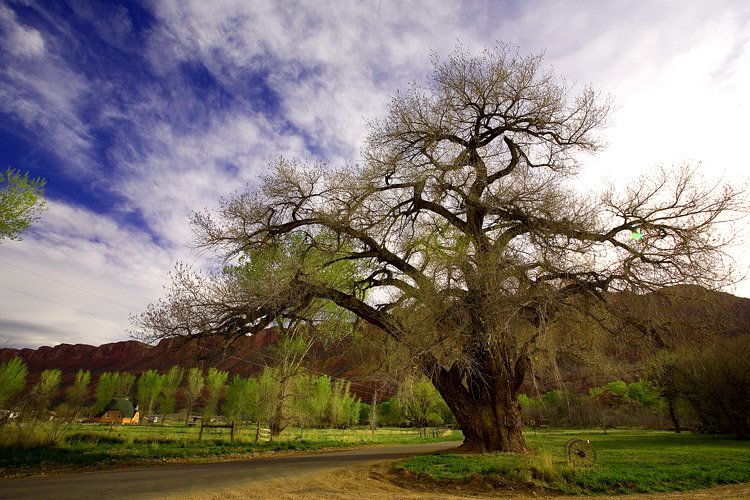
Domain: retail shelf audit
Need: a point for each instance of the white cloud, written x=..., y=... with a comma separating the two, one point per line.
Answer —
x=21, y=40
x=75, y=278
x=678, y=72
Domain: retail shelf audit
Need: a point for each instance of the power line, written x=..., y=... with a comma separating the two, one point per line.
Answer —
x=57, y=303
x=69, y=286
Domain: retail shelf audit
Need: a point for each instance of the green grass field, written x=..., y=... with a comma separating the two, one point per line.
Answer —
x=627, y=462
x=23, y=451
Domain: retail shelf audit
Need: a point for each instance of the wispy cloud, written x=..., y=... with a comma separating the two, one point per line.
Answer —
x=150, y=111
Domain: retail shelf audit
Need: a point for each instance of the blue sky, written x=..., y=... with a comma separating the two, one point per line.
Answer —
x=138, y=113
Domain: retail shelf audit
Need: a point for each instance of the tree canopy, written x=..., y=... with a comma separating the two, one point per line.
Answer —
x=20, y=202
x=463, y=232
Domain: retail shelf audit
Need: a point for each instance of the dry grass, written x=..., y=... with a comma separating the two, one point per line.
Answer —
x=376, y=482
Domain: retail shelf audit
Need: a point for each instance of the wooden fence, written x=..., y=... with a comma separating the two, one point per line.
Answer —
x=217, y=426
x=262, y=434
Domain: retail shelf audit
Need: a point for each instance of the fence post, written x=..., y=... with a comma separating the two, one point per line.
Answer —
x=231, y=434
x=200, y=434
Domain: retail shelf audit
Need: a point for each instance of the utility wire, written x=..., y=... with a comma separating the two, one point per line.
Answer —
x=57, y=303
x=66, y=284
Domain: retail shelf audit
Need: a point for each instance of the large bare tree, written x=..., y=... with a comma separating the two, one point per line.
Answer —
x=463, y=233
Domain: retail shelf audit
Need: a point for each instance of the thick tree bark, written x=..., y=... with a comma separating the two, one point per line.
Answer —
x=489, y=415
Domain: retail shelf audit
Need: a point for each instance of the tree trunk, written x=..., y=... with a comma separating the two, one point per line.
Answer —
x=489, y=416
x=673, y=414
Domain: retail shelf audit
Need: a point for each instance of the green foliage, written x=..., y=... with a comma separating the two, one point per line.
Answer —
x=617, y=387
x=313, y=395
x=193, y=389
x=421, y=402
x=241, y=400
x=42, y=392
x=20, y=203
x=344, y=407
x=645, y=393
x=364, y=413
x=149, y=388
x=269, y=395
x=124, y=386
x=216, y=380
x=172, y=380
x=525, y=401
x=390, y=413
x=105, y=391
x=552, y=398
x=79, y=391
x=111, y=386
x=12, y=379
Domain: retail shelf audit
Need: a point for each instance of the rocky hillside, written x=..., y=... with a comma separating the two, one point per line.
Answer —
x=247, y=357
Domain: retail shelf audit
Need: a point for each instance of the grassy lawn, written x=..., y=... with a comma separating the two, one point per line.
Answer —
x=627, y=462
x=86, y=446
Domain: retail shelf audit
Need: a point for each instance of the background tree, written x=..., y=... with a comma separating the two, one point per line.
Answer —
x=106, y=391
x=193, y=390
x=12, y=380
x=78, y=393
x=216, y=380
x=272, y=406
x=124, y=385
x=170, y=384
x=20, y=203
x=45, y=389
x=149, y=388
x=714, y=381
x=241, y=400
x=314, y=395
x=464, y=232
x=420, y=402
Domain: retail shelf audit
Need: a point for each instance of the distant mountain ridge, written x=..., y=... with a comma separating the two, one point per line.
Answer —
x=246, y=357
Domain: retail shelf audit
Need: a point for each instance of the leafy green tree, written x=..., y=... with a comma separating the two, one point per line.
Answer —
x=20, y=203
x=149, y=388
x=272, y=404
x=106, y=390
x=78, y=393
x=351, y=410
x=216, y=380
x=125, y=384
x=312, y=396
x=390, y=413
x=45, y=389
x=12, y=379
x=241, y=399
x=171, y=383
x=193, y=390
x=465, y=234
x=420, y=402
x=645, y=393
x=366, y=414
x=343, y=407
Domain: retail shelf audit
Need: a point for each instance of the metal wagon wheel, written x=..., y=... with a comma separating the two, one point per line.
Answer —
x=567, y=446
x=581, y=453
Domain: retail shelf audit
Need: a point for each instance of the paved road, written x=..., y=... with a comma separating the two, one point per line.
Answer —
x=175, y=480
